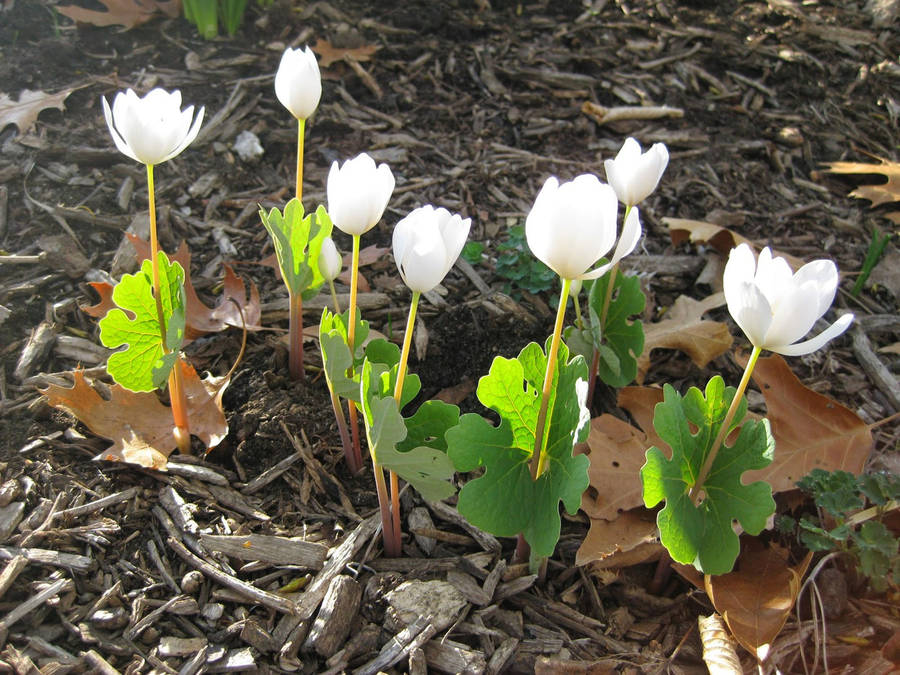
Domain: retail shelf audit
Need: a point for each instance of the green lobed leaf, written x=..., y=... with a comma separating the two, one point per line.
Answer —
x=298, y=243
x=505, y=500
x=880, y=488
x=702, y=534
x=336, y=358
x=623, y=336
x=143, y=364
x=426, y=468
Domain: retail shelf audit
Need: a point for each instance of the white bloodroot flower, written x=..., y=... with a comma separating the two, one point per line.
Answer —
x=330, y=262
x=151, y=129
x=298, y=83
x=775, y=307
x=573, y=225
x=426, y=244
x=358, y=194
x=634, y=175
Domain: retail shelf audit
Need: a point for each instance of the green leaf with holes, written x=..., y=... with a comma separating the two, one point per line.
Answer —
x=145, y=363
x=702, y=534
x=505, y=500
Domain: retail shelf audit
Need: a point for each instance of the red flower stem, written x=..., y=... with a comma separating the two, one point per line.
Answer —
x=391, y=549
x=295, y=337
x=538, y=456
x=694, y=494
x=177, y=397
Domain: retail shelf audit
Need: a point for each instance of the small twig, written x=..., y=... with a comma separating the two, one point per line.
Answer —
x=265, y=598
x=603, y=115
x=98, y=504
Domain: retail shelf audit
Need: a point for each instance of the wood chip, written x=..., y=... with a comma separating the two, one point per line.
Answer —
x=270, y=549
x=332, y=625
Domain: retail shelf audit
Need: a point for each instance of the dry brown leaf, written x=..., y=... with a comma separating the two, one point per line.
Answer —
x=139, y=425
x=104, y=290
x=756, y=598
x=882, y=193
x=720, y=238
x=125, y=13
x=24, y=112
x=631, y=539
x=811, y=430
x=684, y=328
x=329, y=54
x=616, y=451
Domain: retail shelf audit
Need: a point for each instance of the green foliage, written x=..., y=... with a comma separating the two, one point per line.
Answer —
x=415, y=448
x=207, y=14
x=472, y=252
x=334, y=343
x=873, y=254
x=621, y=339
x=144, y=364
x=298, y=243
x=842, y=496
x=505, y=500
x=702, y=534
x=519, y=267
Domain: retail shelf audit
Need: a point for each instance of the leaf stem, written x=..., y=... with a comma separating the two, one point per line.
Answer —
x=334, y=297
x=301, y=131
x=538, y=457
x=353, y=463
x=592, y=377
x=390, y=541
x=295, y=336
x=177, y=398
x=725, y=428
x=579, y=322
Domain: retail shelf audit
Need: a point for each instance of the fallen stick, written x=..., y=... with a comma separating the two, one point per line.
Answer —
x=265, y=598
x=603, y=115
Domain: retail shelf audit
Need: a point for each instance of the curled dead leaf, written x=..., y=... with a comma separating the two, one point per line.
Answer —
x=720, y=238
x=24, y=112
x=125, y=13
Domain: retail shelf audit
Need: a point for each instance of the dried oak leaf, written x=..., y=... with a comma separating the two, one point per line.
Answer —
x=138, y=424
x=200, y=319
x=125, y=13
x=328, y=54
x=877, y=194
x=720, y=238
x=811, y=430
x=756, y=598
x=630, y=539
x=24, y=112
x=686, y=329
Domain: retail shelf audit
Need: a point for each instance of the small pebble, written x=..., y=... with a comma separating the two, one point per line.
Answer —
x=190, y=582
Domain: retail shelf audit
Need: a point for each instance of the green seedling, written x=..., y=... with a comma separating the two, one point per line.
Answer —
x=873, y=255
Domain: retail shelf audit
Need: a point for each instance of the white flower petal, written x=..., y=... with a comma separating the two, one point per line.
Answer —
x=794, y=315
x=811, y=345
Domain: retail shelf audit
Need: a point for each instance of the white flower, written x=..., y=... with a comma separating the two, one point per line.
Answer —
x=634, y=175
x=573, y=225
x=151, y=129
x=330, y=262
x=426, y=244
x=358, y=194
x=775, y=307
x=298, y=83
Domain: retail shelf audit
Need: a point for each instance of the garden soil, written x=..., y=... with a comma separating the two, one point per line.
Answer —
x=473, y=105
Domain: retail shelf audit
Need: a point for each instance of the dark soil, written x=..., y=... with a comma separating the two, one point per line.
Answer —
x=473, y=105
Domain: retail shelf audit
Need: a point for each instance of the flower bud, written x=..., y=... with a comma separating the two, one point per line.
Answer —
x=330, y=262
x=298, y=83
x=634, y=175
